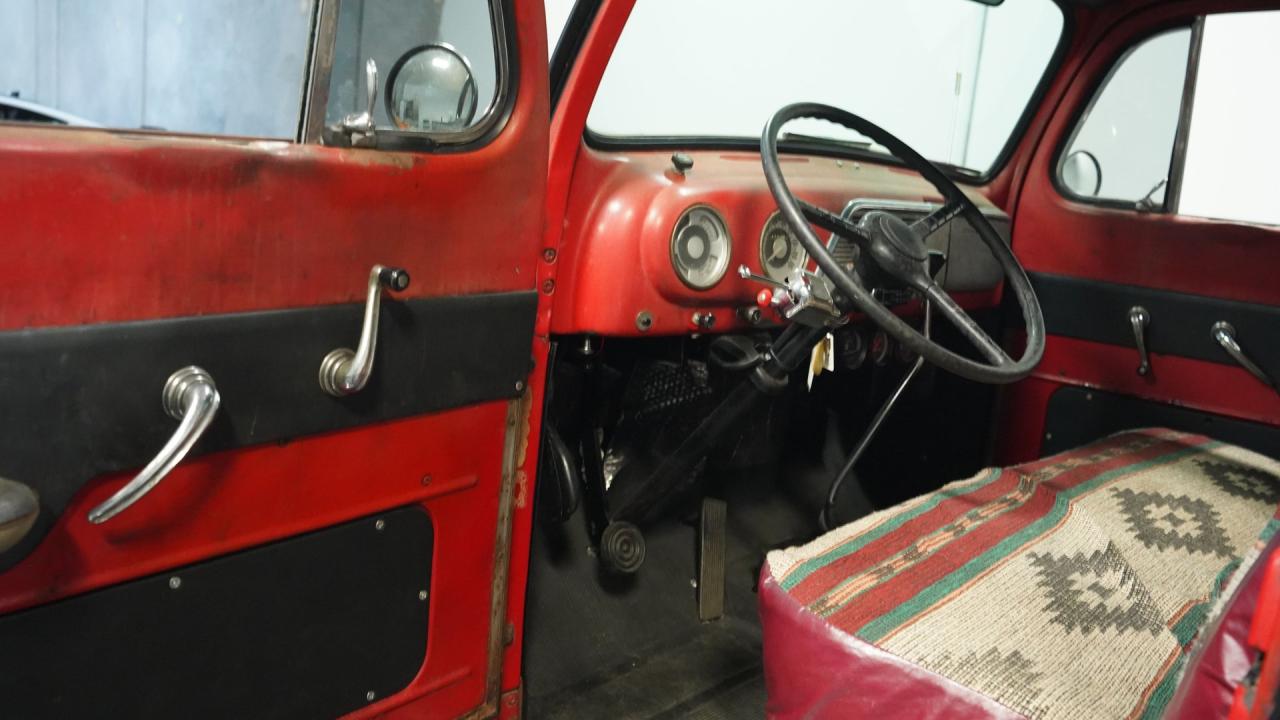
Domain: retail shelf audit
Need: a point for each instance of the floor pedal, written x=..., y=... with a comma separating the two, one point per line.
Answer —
x=711, y=559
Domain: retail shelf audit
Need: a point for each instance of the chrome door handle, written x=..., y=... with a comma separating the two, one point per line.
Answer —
x=1139, y=319
x=191, y=398
x=1225, y=335
x=345, y=371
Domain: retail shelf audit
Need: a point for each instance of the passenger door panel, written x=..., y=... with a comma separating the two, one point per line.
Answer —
x=1092, y=264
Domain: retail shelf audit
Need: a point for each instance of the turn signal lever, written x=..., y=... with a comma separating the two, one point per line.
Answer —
x=345, y=371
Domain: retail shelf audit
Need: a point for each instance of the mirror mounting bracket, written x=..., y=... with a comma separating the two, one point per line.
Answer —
x=360, y=129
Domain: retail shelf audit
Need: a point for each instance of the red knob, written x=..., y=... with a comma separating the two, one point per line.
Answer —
x=764, y=298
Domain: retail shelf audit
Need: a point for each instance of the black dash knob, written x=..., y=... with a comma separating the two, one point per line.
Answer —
x=395, y=279
x=682, y=162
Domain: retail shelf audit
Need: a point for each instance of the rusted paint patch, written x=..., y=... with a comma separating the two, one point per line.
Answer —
x=522, y=489
x=522, y=452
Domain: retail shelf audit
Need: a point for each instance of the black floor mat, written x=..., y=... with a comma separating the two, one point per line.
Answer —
x=633, y=647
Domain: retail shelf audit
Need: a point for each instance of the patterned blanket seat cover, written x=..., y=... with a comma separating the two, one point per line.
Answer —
x=1070, y=587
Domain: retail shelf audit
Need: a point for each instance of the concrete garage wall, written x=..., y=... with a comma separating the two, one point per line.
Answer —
x=950, y=77
x=206, y=66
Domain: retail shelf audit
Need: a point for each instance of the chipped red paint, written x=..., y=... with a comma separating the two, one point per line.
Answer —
x=108, y=227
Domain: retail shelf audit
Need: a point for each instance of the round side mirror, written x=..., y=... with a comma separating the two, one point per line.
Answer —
x=1082, y=174
x=431, y=89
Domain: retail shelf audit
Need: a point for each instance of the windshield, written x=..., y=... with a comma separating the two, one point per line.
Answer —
x=952, y=78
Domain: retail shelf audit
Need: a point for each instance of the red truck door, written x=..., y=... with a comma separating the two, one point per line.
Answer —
x=1150, y=228
x=231, y=519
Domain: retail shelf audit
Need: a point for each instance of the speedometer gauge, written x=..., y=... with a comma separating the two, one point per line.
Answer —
x=700, y=247
x=781, y=254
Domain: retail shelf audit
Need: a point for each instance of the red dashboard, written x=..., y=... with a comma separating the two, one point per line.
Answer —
x=616, y=275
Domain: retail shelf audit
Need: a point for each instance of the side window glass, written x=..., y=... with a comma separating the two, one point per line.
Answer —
x=1233, y=145
x=558, y=12
x=190, y=66
x=1122, y=150
x=437, y=65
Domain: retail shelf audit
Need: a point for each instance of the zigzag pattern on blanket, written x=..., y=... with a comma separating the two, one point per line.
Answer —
x=1091, y=572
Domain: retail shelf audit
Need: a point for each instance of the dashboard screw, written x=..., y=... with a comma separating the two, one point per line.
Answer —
x=519, y=386
x=548, y=286
x=379, y=525
x=175, y=582
x=369, y=696
x=644, y=321
x=422, y=595
x=549, y=255
x=426, y=479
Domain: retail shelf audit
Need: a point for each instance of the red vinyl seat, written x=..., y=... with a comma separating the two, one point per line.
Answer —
x=1075, y=586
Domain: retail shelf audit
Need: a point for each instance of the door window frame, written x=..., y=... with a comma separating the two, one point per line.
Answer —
x=311, y=127
x=1178, y=153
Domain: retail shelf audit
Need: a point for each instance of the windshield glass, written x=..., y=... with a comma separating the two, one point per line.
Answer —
x=950, y=77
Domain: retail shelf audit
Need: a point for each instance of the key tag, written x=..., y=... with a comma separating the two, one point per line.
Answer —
x=823, y=358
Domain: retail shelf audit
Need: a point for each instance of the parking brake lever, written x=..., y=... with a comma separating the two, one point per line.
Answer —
x=826, y=518
x=345, y=371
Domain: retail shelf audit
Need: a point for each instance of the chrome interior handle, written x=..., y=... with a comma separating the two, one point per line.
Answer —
x=1139, y=319
x=191, y=398
x=345, y=371
x=1225, y=335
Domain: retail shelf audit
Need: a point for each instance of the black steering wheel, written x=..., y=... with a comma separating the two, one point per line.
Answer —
x=898, y=249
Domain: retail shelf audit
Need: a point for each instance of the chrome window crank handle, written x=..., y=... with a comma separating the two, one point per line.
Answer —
x=345, y=371
x=191, y=398
x=1139, y=319
x=1225, y=335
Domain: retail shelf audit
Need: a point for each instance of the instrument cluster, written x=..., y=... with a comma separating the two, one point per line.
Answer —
x=702, y=248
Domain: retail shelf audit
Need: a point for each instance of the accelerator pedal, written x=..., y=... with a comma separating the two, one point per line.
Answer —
x=712, y=537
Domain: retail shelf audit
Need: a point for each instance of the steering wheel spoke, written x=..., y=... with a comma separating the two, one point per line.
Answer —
x=936, y=220
x=831, y=222
x=989, y=348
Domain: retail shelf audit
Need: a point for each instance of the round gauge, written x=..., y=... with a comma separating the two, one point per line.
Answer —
x=904, y=354
x=781, y=254
x=852, y=348
x=880, y=348
x=700, y=247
